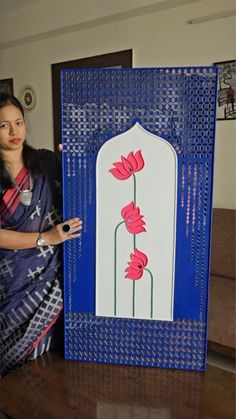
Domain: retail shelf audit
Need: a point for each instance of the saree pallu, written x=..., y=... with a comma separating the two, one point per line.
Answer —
x=30, y=279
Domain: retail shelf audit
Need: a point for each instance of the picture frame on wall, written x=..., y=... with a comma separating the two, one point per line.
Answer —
x=226, y=90
x=6, y=86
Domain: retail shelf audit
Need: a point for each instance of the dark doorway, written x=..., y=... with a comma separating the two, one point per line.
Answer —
x=115, y=59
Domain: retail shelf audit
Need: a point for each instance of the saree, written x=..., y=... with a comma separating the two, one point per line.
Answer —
x=30, y=279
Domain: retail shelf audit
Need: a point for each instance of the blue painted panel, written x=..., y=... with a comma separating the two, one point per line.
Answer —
x=177, y=104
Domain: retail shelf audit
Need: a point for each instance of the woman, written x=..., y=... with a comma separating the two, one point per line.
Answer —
x=30, y=230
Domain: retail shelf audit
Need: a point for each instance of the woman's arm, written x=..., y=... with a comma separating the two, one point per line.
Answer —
x=16, y=240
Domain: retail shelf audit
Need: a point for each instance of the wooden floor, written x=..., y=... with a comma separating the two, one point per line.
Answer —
x=51, y=388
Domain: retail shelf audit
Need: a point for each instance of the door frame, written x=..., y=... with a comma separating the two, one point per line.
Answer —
x=115, y=59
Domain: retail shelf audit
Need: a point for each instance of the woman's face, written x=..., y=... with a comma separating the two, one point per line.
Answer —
x=12, y=128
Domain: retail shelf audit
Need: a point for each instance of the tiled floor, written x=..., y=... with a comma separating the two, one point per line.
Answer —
x=221, y=361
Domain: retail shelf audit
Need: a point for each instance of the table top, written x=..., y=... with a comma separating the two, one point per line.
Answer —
x=51, y=387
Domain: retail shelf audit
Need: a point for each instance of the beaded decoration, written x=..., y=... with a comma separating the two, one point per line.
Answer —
x=177, y=104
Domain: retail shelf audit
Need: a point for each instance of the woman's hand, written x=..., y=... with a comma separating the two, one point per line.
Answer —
x=62, y=232
x=19, y=240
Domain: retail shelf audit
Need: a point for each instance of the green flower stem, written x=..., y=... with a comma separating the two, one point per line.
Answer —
x=134, y=282
x=134, y=177
x=151, y=291
x=115, y=262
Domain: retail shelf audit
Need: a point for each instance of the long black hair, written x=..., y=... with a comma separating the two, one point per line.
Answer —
x=30, y=155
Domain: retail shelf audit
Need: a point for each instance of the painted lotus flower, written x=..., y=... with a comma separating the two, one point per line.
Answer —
x=128, y=165
x=137, y=264
x=133, y=219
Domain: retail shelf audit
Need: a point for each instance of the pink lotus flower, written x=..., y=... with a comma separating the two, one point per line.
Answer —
x=136, y=267
x=133, y=219
x=128, y=166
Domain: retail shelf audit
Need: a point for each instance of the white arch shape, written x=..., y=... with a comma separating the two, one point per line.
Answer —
x=153, y=189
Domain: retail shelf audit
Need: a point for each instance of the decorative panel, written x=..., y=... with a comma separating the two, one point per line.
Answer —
x=138, y=148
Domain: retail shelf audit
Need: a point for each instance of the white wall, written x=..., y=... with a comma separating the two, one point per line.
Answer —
x=158, y=38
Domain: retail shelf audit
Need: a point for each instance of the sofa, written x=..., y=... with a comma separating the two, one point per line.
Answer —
x=221, y=314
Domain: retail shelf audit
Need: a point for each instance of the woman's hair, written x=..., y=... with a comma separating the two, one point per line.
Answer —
x=6, y=99
x=30, y=155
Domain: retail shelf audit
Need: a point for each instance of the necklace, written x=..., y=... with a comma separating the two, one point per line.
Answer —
x=25, y=194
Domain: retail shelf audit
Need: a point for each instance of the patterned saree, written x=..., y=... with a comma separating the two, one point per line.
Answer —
x=30, y=279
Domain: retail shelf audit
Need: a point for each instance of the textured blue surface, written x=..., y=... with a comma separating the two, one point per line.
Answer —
x=177, y=104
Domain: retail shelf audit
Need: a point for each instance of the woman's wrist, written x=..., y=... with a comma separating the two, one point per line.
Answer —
x=40, y=242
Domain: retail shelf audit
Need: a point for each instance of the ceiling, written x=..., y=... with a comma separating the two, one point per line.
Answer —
x=10, y=5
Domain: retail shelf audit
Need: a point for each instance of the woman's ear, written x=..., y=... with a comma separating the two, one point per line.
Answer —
x=60, y=147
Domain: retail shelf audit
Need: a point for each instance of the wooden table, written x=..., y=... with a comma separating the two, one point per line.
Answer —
x=51, y=388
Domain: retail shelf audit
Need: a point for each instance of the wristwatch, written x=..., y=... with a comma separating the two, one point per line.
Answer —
x=40, y=241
